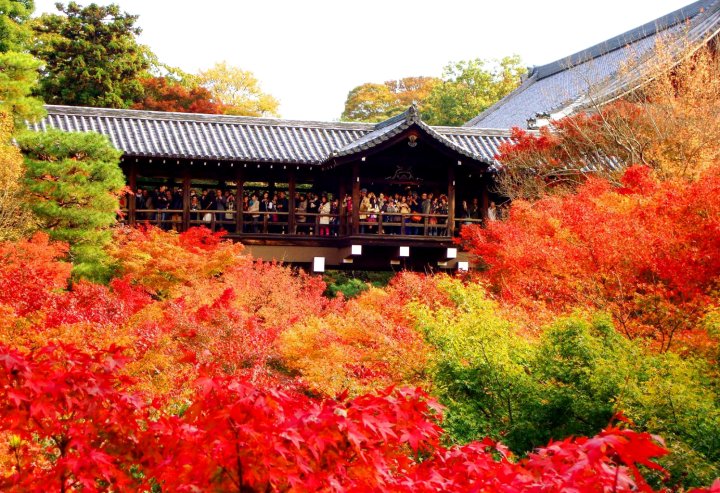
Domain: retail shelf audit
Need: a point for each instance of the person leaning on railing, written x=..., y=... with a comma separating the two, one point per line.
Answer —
x=176, y=205
x=404, y=210
x=254, y=209
x=324, y=219
x=229, y=220
x=442, y=211
x=300, y=211
x=492, y=213
x=162, y=204
x=334, y=216
x=195, y=208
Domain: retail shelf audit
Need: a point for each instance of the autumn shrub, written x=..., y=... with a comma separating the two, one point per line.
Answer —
x=163, y=262
x=30, y=272
x=645, y=252
x=69, y=424
x=367, y=342
x=357, y=348
x=498, y=382
x=213, y=304
x=478, y=367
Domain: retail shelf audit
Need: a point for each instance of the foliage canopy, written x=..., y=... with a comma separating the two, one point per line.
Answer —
x=238, y=91
x=90, y=56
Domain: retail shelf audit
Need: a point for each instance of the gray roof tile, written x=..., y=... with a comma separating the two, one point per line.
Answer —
x=234, y=138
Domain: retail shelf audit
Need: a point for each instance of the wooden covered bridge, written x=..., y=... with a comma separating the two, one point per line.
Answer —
x=187, y=156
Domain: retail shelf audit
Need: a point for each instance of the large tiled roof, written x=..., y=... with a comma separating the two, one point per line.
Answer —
x=235, y=138
x=604, y=71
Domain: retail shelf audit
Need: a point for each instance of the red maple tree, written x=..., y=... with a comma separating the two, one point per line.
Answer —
x=161, y=94
x=645, y=252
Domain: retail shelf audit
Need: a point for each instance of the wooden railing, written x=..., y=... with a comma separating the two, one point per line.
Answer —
x=403, y=224
x=305, y=224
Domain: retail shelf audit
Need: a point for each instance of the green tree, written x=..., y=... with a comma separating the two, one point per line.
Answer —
x=480, y=364
x=18, y=69
x=571, y=380
x=371, y=102
x=18, y=78
x=72, y=182
x=238, y=91
x=90, y=56
x=14, y=30
x=469, y=87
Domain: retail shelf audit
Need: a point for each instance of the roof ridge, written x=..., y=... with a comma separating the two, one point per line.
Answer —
x=620, y=41
x=487, y=132
x=201, y=117
x=411, y=114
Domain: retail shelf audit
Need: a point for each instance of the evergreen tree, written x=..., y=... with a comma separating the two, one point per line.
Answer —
x=18, y=69
x=90, y=56
x=73, y=182
x=14, y=30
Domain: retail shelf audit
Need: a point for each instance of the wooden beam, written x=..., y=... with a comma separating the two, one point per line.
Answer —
x=291, y=202
x=240, y=180
x=132, y=183
x=356, y=197
x=451, y=200
x=342, y=190
x=186, y=197
x=485, y=199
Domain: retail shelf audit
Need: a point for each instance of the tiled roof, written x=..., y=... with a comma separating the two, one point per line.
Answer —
x=470, y=146
x=236, y=138
x=604, y=71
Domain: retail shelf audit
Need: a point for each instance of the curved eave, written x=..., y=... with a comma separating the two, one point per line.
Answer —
x=219, y=159
x=387, y=136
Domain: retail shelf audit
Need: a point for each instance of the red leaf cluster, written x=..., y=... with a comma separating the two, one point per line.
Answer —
x=646, y=252
x=162, y=94
x=68, y=425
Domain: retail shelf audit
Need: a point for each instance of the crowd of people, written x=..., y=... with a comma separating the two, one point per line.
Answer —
x=403, y=213
x=409, y=213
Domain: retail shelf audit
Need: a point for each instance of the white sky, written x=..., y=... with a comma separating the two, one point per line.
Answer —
x=310, y=53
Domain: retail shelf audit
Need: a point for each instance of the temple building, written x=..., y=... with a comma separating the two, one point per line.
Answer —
x=347, y=164
x=354, y=195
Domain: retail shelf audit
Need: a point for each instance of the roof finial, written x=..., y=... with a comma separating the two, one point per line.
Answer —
x=413, y=114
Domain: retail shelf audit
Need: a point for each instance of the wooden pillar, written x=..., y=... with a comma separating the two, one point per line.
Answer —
x=451, y=201
x=132, y=183
x=291, y=202
x=239, y=190
x=485, y=200
x=356, y=198
x=186, y=197
x=342, y=190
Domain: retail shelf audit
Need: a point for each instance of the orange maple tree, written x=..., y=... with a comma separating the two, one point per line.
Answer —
x=161, y=94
